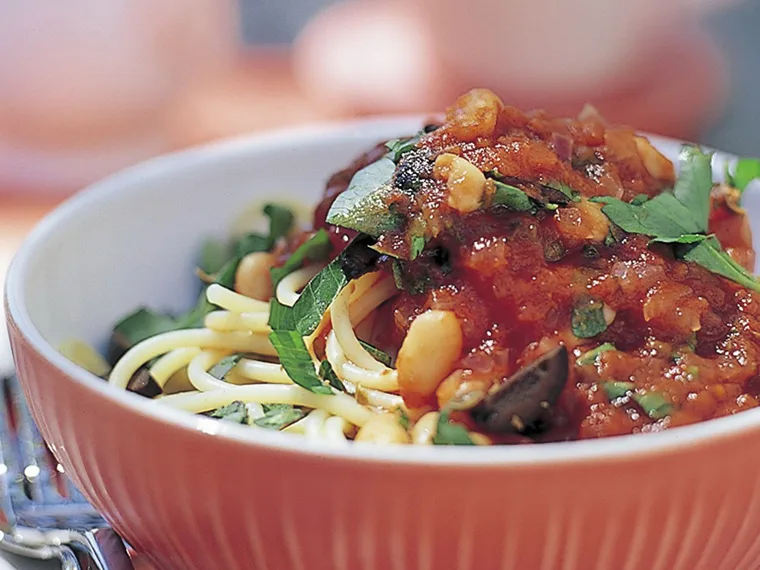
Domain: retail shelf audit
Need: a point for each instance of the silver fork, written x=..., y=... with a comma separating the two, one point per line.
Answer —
x=42, y=515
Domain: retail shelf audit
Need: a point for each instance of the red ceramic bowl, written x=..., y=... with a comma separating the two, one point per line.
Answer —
x=193, y=493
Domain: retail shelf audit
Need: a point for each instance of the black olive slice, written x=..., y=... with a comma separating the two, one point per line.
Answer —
x=524, y=398
x=144, y=384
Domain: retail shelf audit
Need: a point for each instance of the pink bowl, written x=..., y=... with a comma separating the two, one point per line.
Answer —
x=193, y=493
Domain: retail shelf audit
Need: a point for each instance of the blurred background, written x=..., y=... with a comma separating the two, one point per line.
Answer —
x=87, y=88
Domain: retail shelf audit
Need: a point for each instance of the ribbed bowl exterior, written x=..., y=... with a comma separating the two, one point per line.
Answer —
x=192, y=501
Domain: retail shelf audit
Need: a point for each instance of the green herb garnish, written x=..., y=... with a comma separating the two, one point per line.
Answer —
x=448, y=433
x=591, y=356
x=615, y=390
x=709, y=255
x=290, y=324
x=376, y=353
x=588, y=318
x=235, y=412
x=316, y=248
x=399, y=147
x=223, y=367
x=681, y=218
x=745, y=171
x=694, y=184
x=278, y=416
x=363, y=206
x=403, y=419
x=653, y=404
x=327, y=374
x=511, y=197
x=142, y=324
x=296, y=360
x=418, y=245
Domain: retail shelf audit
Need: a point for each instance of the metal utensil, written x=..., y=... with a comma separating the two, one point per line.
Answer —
x=42, y=515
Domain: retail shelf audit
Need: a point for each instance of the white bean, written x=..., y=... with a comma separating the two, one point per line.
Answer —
x=428, y=354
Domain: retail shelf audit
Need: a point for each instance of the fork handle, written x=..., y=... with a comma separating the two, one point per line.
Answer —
x=106, y=549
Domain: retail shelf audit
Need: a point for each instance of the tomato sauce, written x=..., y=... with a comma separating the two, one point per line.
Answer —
x=513, y=278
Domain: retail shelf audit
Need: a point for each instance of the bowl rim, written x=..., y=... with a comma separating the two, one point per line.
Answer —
x=617, y=448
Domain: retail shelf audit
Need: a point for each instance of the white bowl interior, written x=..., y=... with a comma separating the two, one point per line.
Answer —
x=133, y=239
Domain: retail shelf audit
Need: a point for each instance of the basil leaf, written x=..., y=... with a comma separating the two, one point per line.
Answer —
x=571, y=194
x=281, y=221
x=278, y=416
x=639, y=199
x=214, y=254
x=281, y=316
x=588, y=319
x=316, y=248
x=233, y=412
x=223, y=367
x=448, y=433
x=317, y=296
x=251, y=243
x=653, y=404
x=296, y=360
x=320, y=292
x=591, y=356
x=327, y=374
x=418, y=245
x=362, y=206
x=140, y=325
x=709, y=255
x=376, y=353
x=694, y=184
x=615, y=390
x=511, y=197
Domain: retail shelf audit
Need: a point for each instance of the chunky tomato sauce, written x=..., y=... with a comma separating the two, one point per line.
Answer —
x=676, y=329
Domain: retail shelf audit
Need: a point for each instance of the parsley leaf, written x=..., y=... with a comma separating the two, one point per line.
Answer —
x=296, y=360
x=511, y=197
x=316, y=248
x=418, y=245
x=710, y=255
x=234, y=412
x=654, y=405
x=278, y=416
x=448, y=433
x=588, y=318
x=694, y=184
x=223, y=367
x=591, y=356
x=615, y=390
